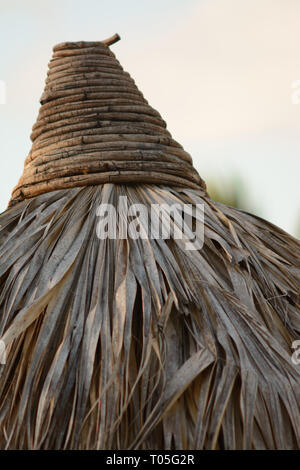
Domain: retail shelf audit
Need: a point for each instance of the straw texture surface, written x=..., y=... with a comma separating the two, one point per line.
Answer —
x=94, y=126
x=141, y=344
x=125, y=343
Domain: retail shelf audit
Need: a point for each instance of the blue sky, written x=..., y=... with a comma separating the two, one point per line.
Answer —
x=218, y=71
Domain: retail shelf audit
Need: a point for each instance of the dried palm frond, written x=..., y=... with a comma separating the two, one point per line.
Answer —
x=141, y=343
x=138, y=343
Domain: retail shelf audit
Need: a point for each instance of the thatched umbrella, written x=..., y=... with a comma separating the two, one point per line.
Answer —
x=123, y=343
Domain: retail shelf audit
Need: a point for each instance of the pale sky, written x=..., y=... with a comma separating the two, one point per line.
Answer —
x=220, y=72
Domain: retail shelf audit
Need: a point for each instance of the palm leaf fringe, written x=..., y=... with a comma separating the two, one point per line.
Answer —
x=141, y=344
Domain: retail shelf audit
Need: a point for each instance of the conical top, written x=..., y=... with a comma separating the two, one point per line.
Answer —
x=94, y=126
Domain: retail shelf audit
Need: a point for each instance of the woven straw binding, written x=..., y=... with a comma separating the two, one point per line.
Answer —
x=94, y=126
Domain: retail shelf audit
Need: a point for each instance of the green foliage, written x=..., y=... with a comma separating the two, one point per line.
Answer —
x=232, y=192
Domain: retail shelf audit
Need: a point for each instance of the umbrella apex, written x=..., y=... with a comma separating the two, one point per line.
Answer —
x=94, y=126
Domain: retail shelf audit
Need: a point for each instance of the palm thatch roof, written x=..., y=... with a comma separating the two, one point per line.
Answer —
x=137, y=343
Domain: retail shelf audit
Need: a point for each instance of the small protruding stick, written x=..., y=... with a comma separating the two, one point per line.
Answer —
x=112, y=40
